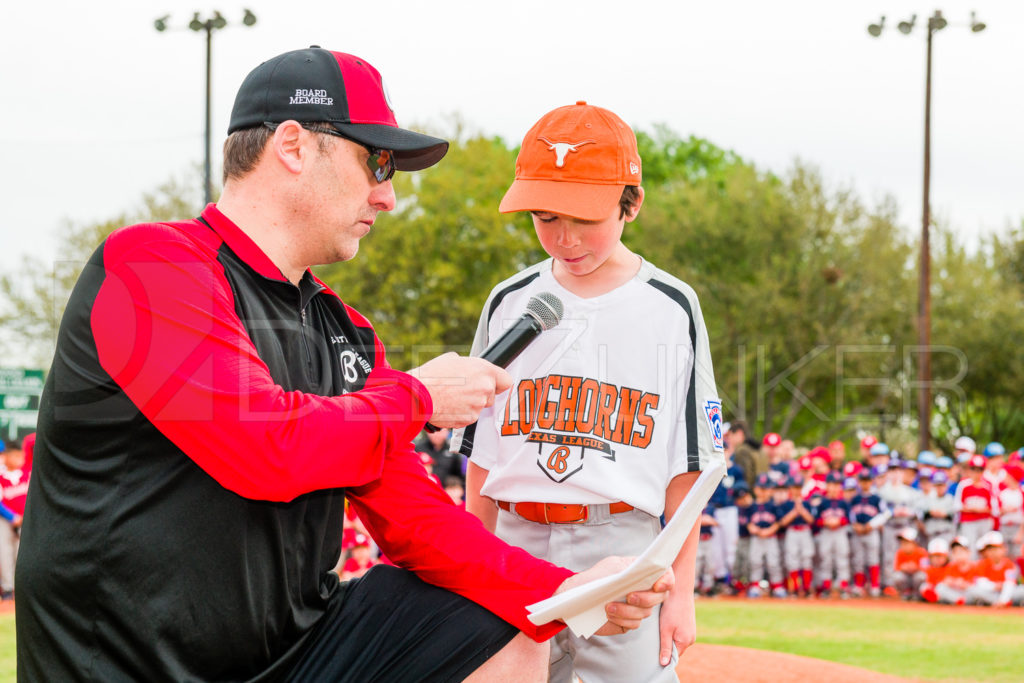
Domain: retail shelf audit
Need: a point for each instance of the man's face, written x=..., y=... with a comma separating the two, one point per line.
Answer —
x=339, y=202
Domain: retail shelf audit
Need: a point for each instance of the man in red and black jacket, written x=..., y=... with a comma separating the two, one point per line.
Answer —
x=210, y=406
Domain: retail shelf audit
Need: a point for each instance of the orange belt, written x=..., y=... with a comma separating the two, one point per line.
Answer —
x=556, y=513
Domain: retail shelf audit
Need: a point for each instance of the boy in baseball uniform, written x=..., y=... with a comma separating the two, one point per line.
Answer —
x=976, y=502
x=832, y=518
x=865, y=539
x=741, y=568
x=613, y=412
x=995, y=575
x=909, y=565
x=798, y=542
x=765, y=551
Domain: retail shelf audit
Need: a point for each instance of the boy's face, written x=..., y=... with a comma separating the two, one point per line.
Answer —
x=579, y=248
x=455, y=492
x=14, y=459
x=938, y=559
x=959, y=554
x=994, y=553
x=780, y=495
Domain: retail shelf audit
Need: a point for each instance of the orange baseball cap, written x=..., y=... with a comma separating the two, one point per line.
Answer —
x=575, y=161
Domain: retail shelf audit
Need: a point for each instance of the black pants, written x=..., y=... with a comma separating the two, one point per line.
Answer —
x=391, y=626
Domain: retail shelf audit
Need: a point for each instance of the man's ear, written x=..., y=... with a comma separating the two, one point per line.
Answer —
x=288, y=146
x=635, y=208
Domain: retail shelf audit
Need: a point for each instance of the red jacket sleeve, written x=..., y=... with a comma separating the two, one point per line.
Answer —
x=418, y=527
x=167, y=332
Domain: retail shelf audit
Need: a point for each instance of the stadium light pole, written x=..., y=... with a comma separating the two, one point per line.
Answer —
x=935, y=23
x=209, y=25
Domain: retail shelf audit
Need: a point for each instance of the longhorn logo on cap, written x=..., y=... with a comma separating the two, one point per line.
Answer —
x=562, y=149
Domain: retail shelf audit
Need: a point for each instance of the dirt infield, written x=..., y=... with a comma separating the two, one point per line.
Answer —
x=727, y=663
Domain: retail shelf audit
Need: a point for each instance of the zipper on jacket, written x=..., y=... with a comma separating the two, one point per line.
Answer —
x=305, y=342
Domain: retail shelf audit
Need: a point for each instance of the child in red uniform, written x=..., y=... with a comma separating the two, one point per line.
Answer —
x=361, y=559
x=977, y=503
x=13, y=487
x=909, y=565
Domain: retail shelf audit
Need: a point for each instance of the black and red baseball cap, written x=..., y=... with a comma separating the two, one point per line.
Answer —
x=314, y=85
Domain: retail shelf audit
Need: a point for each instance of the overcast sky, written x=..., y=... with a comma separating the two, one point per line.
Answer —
x=97, y=107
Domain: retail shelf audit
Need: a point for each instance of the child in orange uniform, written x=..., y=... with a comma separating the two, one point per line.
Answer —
x=935, y=572
x=909, y=565
x=952, y=589
x=995, y=575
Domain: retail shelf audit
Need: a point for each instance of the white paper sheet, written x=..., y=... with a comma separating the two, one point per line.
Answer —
x=582, y=607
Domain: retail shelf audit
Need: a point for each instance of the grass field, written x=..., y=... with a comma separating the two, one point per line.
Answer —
x=8, y=658
x=930, y=644
x=933, y=644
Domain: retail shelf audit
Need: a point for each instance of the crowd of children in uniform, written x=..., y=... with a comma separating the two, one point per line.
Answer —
x=934, y=527
x=15, y=470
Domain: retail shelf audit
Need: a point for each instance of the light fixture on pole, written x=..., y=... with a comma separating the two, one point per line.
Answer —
x=209, y=25
x=935, y=23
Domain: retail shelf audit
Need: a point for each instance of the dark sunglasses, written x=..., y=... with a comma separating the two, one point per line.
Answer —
x=381, y=162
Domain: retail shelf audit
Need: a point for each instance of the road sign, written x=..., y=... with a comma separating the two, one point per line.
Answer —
x=20, y=389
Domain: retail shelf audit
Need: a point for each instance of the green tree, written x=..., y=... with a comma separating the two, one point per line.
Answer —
x=38, y=291
x=793, y=307
x=977, y=318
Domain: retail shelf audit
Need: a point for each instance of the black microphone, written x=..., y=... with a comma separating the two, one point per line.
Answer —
x=543, y=312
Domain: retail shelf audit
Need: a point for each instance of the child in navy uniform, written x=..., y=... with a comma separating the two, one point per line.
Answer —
x=798, y=542
x=704, y=575
x=765, y=558
x=865, y=541
x=741, y=568
x=832, y=517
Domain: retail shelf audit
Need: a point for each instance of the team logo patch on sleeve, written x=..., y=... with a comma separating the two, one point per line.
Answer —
x=713, y=413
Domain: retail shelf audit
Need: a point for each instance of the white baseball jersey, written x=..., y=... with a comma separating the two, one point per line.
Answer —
x=607, y=406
